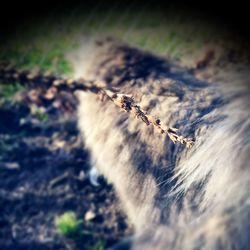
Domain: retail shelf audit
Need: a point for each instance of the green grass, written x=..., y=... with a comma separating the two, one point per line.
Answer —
x=100, y=245
x=68, y=224
x=40, y=46
x=41, y=116
x=45, y=43
x=8, y=91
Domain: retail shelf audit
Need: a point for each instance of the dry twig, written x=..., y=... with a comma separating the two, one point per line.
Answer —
x=125, y=102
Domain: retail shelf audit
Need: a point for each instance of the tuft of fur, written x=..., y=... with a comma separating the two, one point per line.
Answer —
x=176, y=198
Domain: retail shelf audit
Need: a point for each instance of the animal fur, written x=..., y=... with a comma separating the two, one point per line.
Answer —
x=176, y=198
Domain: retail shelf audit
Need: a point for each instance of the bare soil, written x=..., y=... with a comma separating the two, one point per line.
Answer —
x=44, y=173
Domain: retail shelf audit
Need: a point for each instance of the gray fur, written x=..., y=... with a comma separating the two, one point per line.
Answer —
x=176, y=198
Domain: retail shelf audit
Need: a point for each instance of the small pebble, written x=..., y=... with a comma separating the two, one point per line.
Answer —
x=90, y=215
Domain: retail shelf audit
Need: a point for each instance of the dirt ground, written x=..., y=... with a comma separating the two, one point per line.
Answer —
x=44, y=173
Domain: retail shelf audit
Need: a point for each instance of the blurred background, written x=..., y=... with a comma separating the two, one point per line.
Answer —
x=46, y=198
